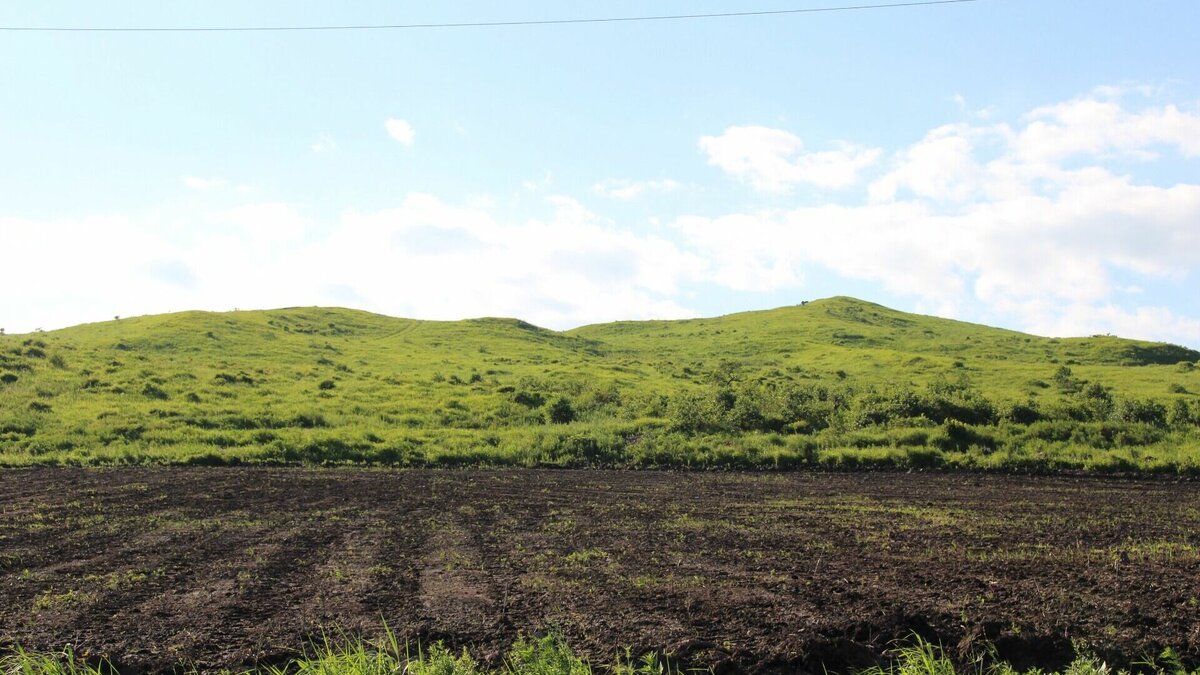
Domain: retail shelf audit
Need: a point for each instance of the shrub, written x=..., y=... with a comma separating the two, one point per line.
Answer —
x=226, y=378
x=1143, y=412
x=1181, y=414
x=326, y=385
x=915, y=438
x=309, y=421
x=529, y=400
x=1065, y=379
x=561, y=412
x=693, y=412
x=955, y=436
x=8, y=378
x=153, y=392
x=1023, y=413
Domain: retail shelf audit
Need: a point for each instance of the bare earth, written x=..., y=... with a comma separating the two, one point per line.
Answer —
x=225, y=568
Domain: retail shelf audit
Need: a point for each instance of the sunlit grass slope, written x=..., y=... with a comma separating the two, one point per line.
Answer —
x=836, y=381
x=872, y=343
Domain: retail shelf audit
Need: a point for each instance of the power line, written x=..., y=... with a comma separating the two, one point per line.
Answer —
x=469, y=24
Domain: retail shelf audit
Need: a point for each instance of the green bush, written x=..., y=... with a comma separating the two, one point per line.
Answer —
x=957, y=437
x=1142, y=412
x=561, y=412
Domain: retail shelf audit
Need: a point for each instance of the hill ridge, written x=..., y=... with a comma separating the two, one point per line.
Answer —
x=312, y=384
x=839, y=306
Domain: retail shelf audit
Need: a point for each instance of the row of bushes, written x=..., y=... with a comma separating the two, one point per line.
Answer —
x=792, y=408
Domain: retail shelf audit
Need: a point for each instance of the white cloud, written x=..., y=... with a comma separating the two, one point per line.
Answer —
x=1094, y=127
x=571, y=268
x=263, y=224
x=198, y=183
x=400, y=131
x=628, y=190
x=774, y=160
x=993, y=217
x=941, y=166
x=324, y=143
x=975, y=219
x=1147, y=323
x=425, y=258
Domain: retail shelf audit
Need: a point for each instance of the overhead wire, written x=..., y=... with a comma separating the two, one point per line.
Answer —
x=474, y=24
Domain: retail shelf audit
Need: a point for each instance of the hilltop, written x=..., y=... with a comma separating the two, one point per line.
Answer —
x=837, y=381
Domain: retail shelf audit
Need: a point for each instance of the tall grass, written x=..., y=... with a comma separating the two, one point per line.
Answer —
x=551, y=655
x=921, y=657
x=65, y=662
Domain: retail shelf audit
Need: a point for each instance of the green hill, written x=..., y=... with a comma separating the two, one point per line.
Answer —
x=836, y=382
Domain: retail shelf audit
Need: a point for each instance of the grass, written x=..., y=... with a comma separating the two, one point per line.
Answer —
x=835, y=383
x=550, y=655
x=921, y=657
x=547, y=655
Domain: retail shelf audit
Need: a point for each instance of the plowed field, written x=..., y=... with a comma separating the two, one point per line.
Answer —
x=739, y=572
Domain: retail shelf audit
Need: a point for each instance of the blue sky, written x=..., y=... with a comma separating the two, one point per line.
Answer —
x=1031, y=164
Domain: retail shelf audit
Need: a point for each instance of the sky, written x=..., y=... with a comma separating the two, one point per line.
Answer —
x=1032, y=164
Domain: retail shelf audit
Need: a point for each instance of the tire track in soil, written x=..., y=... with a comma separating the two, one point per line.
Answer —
x=457, y=588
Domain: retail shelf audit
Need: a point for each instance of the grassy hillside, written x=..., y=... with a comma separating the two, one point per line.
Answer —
x=831, y=382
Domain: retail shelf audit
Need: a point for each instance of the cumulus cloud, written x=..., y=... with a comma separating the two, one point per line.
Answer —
x=628, y=190
x=1095, y=127
x=425, y=258
x=984, y=220
x=568, y=268
x=774, y=160
x=1147, y=323
x=401, y=131
x=1025, y=222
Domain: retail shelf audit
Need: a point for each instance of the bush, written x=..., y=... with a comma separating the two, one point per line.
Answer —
x=693, y=412
x=226, y=378
x=326, y=385
x=915, y=438
x=1181, y=414
x=1065, y=379
x=561, y=412
x=1142, y=412
x=529, y=400
x=309, y=421
x=1023, y=413
x=955, y=436
x=152, y=392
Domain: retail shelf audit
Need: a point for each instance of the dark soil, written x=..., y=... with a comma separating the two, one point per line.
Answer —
x=226, y=568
